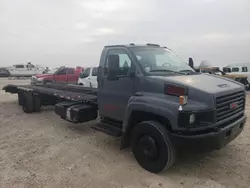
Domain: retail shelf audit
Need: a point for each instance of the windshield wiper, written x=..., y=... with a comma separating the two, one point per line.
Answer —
x=189, y=71
x=165, y=70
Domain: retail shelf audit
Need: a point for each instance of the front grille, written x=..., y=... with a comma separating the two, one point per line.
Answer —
x=229, y=105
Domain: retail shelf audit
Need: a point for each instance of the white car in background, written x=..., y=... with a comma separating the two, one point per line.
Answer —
x=88, y=78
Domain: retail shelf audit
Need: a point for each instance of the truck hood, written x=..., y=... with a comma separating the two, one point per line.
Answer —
x=43, y=75
x=204, y=82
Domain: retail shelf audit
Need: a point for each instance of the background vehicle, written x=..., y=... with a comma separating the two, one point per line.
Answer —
x=88, y=78
x=237, y=77
x=151, y=99
x=62, y=75
x=237, y=69
x=25, y=70
x=4, y=72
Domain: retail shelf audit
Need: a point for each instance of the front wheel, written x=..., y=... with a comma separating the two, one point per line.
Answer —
x=48, y=82
x=152, y=147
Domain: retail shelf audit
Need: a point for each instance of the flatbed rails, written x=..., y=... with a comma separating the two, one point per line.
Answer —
x=62, y=91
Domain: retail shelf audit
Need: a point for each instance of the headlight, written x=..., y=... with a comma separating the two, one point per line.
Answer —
x=39, y=79
x=191, y=118
x=196, y=118
x=33, y=79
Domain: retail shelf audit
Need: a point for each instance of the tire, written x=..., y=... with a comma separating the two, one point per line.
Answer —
x=48, y=82
x=36, y=104
x=20, y=99
x=28, y=102
x=152, y=147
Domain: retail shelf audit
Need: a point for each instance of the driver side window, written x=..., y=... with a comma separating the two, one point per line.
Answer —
x=124, y=62
x=85, y=74
x=61, y=72
x=235, y=69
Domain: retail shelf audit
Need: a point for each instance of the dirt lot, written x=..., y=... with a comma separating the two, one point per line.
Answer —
x=41, y=150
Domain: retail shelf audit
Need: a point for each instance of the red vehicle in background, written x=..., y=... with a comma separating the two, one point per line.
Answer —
x=62, y=75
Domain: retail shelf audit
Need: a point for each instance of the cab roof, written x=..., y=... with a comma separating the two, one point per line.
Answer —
x=136, y=45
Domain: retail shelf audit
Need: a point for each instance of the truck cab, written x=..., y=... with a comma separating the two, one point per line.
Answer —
x=161, y=104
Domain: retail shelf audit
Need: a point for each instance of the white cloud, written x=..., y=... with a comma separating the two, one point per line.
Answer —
x=216, y=37
x=204, y=1
x=104, y=31
x=87, y=40
x=103, y=6
x=81, y=26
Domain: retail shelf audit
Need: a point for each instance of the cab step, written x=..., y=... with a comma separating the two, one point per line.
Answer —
x=108, y=129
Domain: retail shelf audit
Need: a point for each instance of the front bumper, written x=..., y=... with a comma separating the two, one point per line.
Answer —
x=35, y=81
x=208, y=141
x=247, y=87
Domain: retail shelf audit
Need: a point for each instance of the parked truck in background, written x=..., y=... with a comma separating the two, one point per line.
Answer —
x=238, y=69
x=151, y=99
x=4, y=72
x=62, y=75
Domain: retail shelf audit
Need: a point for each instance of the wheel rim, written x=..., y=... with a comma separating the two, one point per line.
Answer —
x=148, y=148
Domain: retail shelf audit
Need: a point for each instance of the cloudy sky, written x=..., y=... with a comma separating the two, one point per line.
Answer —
x=73, y=32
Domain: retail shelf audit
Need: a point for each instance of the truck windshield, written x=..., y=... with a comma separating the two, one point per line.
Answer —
x=160, y=60
x=52, y=71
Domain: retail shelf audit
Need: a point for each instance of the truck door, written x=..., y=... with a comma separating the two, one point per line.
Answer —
x=114, y=94
x=61, y=76
x=71, y=76
x=93, y=77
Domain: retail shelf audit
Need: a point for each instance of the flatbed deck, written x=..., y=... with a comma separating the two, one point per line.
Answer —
x=63, y=91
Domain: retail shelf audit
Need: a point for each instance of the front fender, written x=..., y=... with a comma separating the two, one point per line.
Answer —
x=157, y=105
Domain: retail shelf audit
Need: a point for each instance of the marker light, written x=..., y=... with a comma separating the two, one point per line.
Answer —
x=175, y=90
x=182, y=100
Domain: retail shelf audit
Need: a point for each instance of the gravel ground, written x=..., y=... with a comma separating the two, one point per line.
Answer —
x=41, y=150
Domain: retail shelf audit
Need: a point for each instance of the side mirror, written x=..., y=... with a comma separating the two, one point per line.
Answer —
x=113, y=65
x=191, y=62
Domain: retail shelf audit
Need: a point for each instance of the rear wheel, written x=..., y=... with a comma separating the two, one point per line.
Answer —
x=36, y=103
x=28, y=102
x=20, y=99
x=152, y=147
